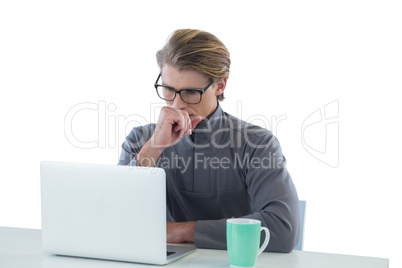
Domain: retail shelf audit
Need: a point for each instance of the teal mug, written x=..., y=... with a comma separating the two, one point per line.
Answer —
x=243, y=241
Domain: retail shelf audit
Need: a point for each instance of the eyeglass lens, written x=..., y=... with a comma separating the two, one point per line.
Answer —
x=189, y=96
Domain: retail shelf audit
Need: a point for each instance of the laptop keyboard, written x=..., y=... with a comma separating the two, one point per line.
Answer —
x=168, y=253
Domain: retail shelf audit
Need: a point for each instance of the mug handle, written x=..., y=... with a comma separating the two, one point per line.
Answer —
x=267, y=237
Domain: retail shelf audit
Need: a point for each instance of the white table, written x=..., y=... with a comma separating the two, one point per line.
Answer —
x=21, y=248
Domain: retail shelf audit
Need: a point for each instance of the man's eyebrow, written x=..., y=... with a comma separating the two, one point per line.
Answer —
x=192, y=88
x=195, y=88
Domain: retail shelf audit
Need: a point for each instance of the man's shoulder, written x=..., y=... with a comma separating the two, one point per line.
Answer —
x=247, y=128
x=147, y=127
x=253, y=136
x=141, y=132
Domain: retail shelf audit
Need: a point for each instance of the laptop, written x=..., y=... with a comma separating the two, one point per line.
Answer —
x=106, y=212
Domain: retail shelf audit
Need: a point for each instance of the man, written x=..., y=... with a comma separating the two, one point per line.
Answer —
x=217, y=166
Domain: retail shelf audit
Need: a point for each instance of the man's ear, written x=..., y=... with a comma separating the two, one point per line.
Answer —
x=221, y=85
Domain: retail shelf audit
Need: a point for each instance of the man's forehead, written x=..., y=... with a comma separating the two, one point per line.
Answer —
x=182, y=79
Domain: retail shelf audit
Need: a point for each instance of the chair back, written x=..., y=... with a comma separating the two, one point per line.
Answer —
x=302, y=206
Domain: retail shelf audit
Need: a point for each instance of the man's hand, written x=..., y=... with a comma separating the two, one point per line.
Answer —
x=179, y=232
x=172, y=126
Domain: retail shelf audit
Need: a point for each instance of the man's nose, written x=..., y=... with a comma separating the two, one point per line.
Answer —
x=178, y=103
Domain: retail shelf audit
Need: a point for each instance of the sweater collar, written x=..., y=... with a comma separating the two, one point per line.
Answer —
x=208, y=135
x=212, y=122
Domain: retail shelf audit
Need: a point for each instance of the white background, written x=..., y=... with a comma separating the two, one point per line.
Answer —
x=289, y=59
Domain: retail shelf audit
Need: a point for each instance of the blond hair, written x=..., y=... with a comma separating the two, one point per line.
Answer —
x=196, y=50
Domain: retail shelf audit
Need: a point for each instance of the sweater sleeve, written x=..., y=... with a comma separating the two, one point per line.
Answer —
x=134, y=143
x=273, y=200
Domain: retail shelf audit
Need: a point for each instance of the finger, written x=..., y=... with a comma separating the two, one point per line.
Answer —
x=183, y=126
x=181, y=134
x=195, y=120
x=176, y=128
x=180, y=121
x=189, y=128
x=184, y=122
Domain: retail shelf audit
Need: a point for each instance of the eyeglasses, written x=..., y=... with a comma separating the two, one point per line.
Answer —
x=190, y=96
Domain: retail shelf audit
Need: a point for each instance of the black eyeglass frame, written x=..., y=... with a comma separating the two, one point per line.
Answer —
x=201, y=91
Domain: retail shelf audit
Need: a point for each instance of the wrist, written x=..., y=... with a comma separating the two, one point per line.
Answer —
x=148, y=155
x=188, y=234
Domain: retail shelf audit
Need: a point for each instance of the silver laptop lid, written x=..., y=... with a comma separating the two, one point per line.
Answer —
x=104, y=211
